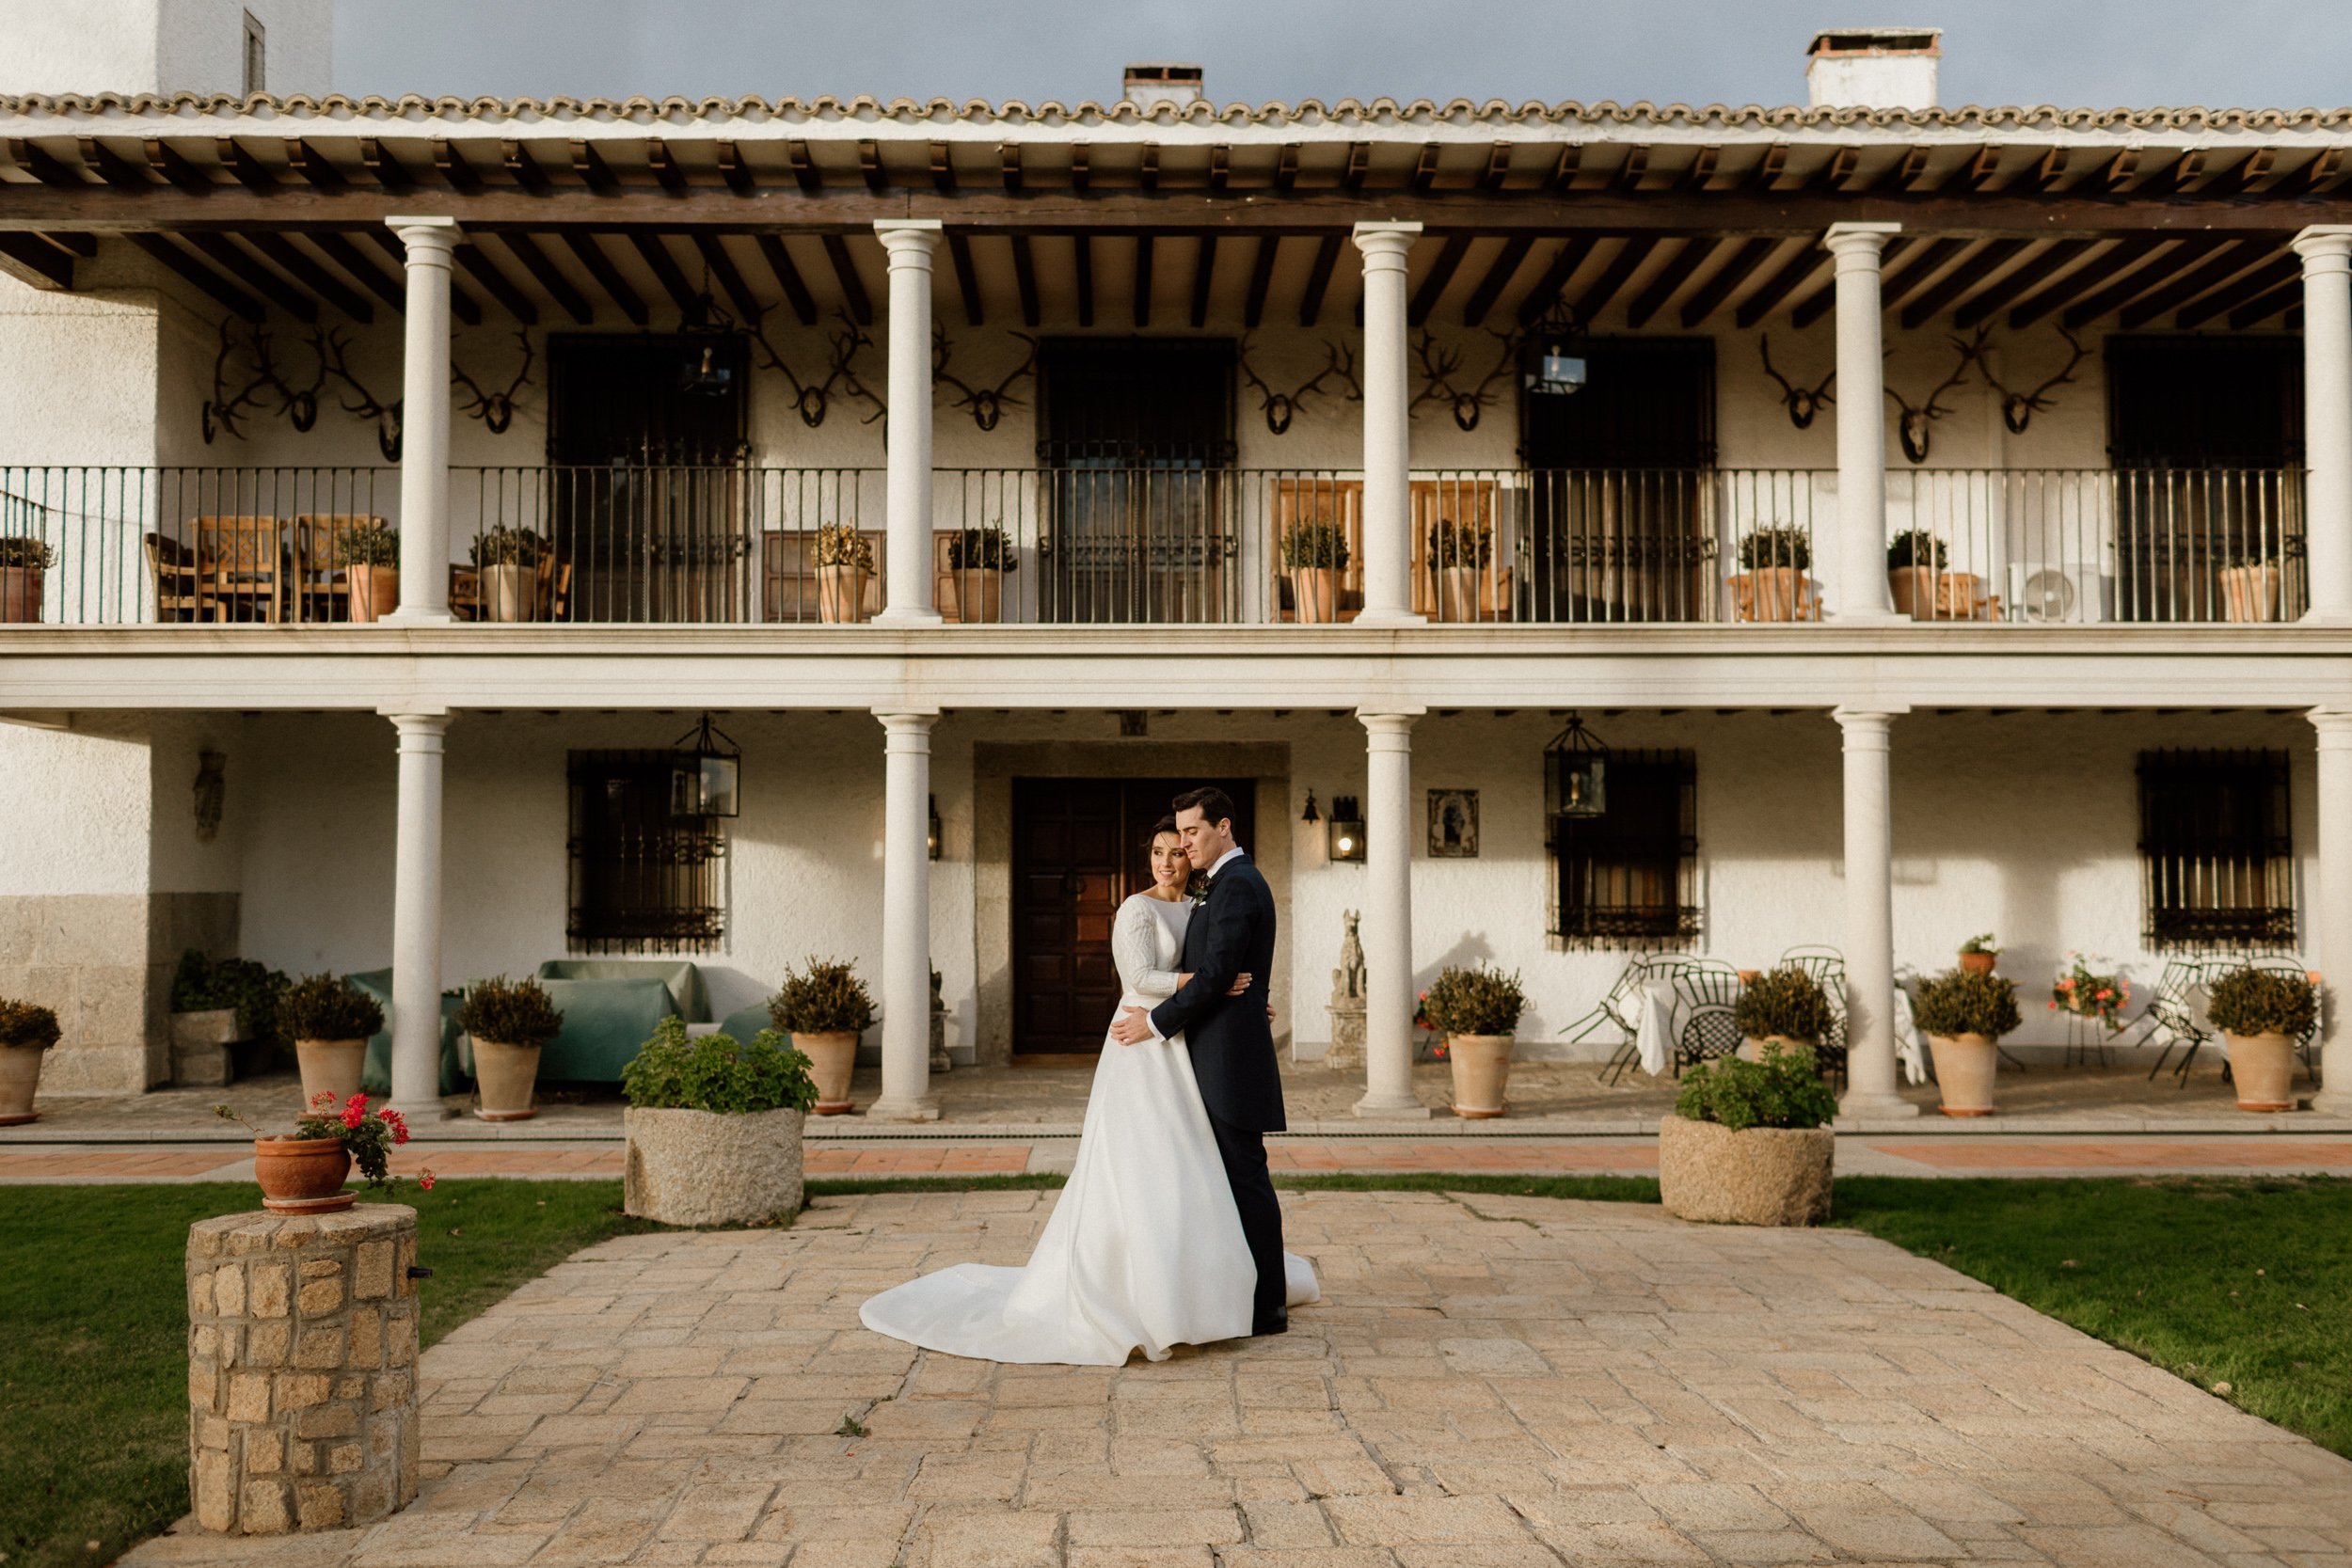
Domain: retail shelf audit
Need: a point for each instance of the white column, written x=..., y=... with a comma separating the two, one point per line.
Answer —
x=907, y=586
x=1388, y=424
x=1870, y=1087
x=2326, y=252
x=417, y=918
x=1388, y=919
x=424, y=421
x=906, y=969
x=1861, y=423
x=2331, y=909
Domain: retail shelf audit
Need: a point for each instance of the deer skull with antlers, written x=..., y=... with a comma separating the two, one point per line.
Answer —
x=813, y=398
x=1803, y=403
x=495, y=409
x=2018, y=409
x=987, y=403
x=224, y=408
x=331, y=348
x=1914, y=429
x=1279, y=408
x=1439, y=366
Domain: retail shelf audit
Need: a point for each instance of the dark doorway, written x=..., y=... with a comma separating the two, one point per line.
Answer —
x=1079, y=848
x=647, y=485
x=1621, y=529
x=1137, y=439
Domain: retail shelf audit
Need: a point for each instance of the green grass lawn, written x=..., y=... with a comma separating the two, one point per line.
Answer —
x=93, y=1365
x=2245, y=1281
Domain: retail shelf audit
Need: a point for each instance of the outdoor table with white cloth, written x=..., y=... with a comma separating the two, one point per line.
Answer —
x=1661, y=1018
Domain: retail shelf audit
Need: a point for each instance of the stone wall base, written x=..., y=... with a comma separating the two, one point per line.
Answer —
x=104, y=962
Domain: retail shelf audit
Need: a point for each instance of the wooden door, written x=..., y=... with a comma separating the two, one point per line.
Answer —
x=1080, y=846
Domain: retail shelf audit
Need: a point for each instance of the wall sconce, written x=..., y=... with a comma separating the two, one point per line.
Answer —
x=706, y=773
x=1310, y=814
x=933, y=842
x=1346, y=831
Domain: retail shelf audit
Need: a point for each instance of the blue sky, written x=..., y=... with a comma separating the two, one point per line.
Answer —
x=2245, y=53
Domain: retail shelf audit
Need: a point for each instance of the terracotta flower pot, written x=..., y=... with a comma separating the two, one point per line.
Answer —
x=2263, y=1068
x=832, y=1057
x=374, y=592
x=975, y=596
x=1913, y=589
x=20, y=1076
x=331, y=1068
x=510, y=593
x=302, y=1176
x=1978, y=963
x=1772, y=593
x=1964, y=1066
x=1752, y=1048
x=841, y=595
x=1482, y=1074
x=1458, y=593
x=503, y=1077
x=20, y=593
x=2250, y=593
x=1317, y=591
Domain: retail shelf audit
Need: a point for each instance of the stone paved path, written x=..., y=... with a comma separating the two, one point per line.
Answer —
x=1491, y=1383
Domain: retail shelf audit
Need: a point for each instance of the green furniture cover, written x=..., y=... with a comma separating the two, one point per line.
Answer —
x=680, y=975
x=748, y=1022
x=606, y=1022
x=376, y=1076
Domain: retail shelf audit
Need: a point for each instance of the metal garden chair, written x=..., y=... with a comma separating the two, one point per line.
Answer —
x=2169, y=1014
x=1705, y=992
x=1622, y=1009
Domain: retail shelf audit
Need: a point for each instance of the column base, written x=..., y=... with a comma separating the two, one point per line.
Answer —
x=909, y=618
x=432, y=1110
x=1384, y=618
x=2331, y=1100
x=925, y=1109
x=407, y=617
x=1388, y=1108
x=1880, y=1104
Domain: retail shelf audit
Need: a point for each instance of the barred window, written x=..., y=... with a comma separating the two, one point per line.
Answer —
x=1629, y=878
x=2216, y=853
x=641, y=880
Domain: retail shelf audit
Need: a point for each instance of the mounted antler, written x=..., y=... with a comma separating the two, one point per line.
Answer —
x=813, y=399
x=495, y=409
x=224, y=408
x=1439, y=367
x=1803, y=403
x=1913, y=428
x=2018, y=409
x=1280, y=407
x=988, y=405
x=331, y=350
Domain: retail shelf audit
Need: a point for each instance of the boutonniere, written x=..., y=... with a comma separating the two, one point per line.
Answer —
x=1200, y=892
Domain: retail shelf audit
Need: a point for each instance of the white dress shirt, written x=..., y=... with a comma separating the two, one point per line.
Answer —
x=1232, y=854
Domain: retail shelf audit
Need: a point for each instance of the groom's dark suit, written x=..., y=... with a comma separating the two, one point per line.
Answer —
x=1232, y=1057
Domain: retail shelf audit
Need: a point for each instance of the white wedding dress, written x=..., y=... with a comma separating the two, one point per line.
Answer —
x=1144, y=1249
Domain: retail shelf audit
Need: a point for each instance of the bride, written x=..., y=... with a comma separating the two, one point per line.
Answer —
x=1144, y=1249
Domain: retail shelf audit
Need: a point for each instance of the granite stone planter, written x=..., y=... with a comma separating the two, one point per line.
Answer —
x=712, y=1167
x=1759, y=1176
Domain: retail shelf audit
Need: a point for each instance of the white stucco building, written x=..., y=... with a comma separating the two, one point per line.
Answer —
x=2092, y=370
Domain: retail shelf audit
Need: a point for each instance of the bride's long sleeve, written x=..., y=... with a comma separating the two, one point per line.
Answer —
x=1134, y=944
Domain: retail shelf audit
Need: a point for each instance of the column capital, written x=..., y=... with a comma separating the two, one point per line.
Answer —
x=909, y=240
x=2334, y=726
x=427, y=236
x=1868, y=720
x=1858, y=239
x=1385, y=241
x=907, y=720
x=2323, y=242
x=1390, y=720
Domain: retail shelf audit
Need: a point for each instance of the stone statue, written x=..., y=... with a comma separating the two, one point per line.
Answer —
x=1347, y=1000
x=941, y=1061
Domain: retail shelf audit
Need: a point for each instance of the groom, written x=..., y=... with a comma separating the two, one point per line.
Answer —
x=1230, y=1037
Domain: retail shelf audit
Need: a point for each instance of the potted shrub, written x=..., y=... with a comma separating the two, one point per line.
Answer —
x=1314, y=554
x=509, y=559
x=1978, y=955
x=1774, y=560
x=329, y=1020
x=1964, y=1012
x=24, y=562
x=509, y=1021
x=302, y=1172
x=1458, y=554
x=2261, y=1014
x=368, y=554
x=1785, y=1007
x=2086, y=989
x=27, y=1031
x=825, y=1007
x=714, y=1128
x=1914, y=559
x=2249, y=586
x=1476, y=1010
x=978, y=560
x=1749, y=1143
x=224, y=1018
x=843, y=561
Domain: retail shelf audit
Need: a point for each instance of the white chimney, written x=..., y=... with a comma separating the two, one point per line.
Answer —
x=1873, y=68
x=1152, y=83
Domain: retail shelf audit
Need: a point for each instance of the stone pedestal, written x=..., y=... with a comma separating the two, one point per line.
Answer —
x=302, y=1353
x=199, y=1047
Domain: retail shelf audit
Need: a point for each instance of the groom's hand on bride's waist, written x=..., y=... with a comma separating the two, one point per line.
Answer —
x=1131, y=1027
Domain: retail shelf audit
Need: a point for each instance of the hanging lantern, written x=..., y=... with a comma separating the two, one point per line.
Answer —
x=1576, y=772
x=1347, y=830
x=706, y=773
x=1555, y=366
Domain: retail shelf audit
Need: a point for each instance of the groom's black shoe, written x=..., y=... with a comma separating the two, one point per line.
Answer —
x=1274, y=1325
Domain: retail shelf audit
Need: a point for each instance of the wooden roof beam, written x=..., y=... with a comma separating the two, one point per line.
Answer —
x=1778, y=287
x=1990, y=302
x=2120, y=259
x=2324, y=169
x=1221, y=166
x=1752, y=254
x=1319, y=278
x=713, y=251
x=1204, y=274
x=1634, y=169
x=1564, y=171
x=497, y=285
x=805, y=173
x=666, y=172
x=1141, y=306
x=1434, y=282
x=173, y=165
x=1149, y=169
x=1702, y=170
x=1670, y=277
x=1425, y=166
x=735, y=171
x=1563, y=267
x=844, y=274
x=1838, y=173
x=2286, y=270
x=1603, y=289
x=967, y=278
x=33, y=260
x=2267, y=306
x=290, y=258
x=338, y=249
x=1769, y=168
x=1902, y=285
x=1991, y=257
x=2051, y=170
x=2223, y=266
x=1983, y=168
x=1025, y=279
x=113, y=167
x=321, y=176
x=1260, y=279
x=1498, y=275
x=869, y=167
x=1286, y=169
x=2254, y=169
x=594, y=172
x=247, y=170
x=205, y=279
x=942, y=169
x=1084, y=279
x=654, y=251
x=788, y=278
x=222, y=252
x=1498, y=167
x=591, y=256
x=384, y=168
x=523, y=168
x=1009, y=167
x=450, y=161
x=1081, y=165
x=1358, y=166
x=30, y=157
x=542, y=268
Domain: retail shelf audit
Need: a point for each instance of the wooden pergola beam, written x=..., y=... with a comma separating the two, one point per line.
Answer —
x=967, y=278
x=449, y=160
x=735, y=171
x=1670, y=277
x=853, y=287
x=289, y=258
x=1319, y=280
x=222, y=252
x=2254, y=285
x=1434, y=282
x=788, y=278
x=2253, y=312
x=248, y=170
x=590, y=255
x=714, y=254
x=1260, y=279
x=31, y=260
x=2183, y=287
x=1987, y=260
x=2120, y=260
x=1083, y=266
x=1750, y=255
x=1563, y=267
x=1770, y=292
x=1902, y=285
x=205, y=279
x=1498, y=275
x=594, y=172
x=1025, y=280
x=390, y=176
x=1629, y=257
x=113, y=168
x=654, y=253
x=340, y=249
x=1204, y=274
x=542, y=267
x=1142, y=302
x=1989, y=302
x=305, y=160
x=523, y=168
x=666, y=172
x=497, y=285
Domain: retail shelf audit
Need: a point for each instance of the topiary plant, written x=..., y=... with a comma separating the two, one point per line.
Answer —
x=328, y=1007
x=1784, y=1089
x=2262, y=1002
x=1453, y=544
x=1480, y=1000
x=1775, y=545
x=28, y=1023
x=1967, y=1002
x=1914, y=546
x=842, y=545
x=983, y=550
x=1984, y=943
x=366, y=544
x=1310, y=546
x=517, y=1012
x=825, y=998
x=509, y=546
x=1787, y=1004
x=675, y=1072
x=250, y=987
